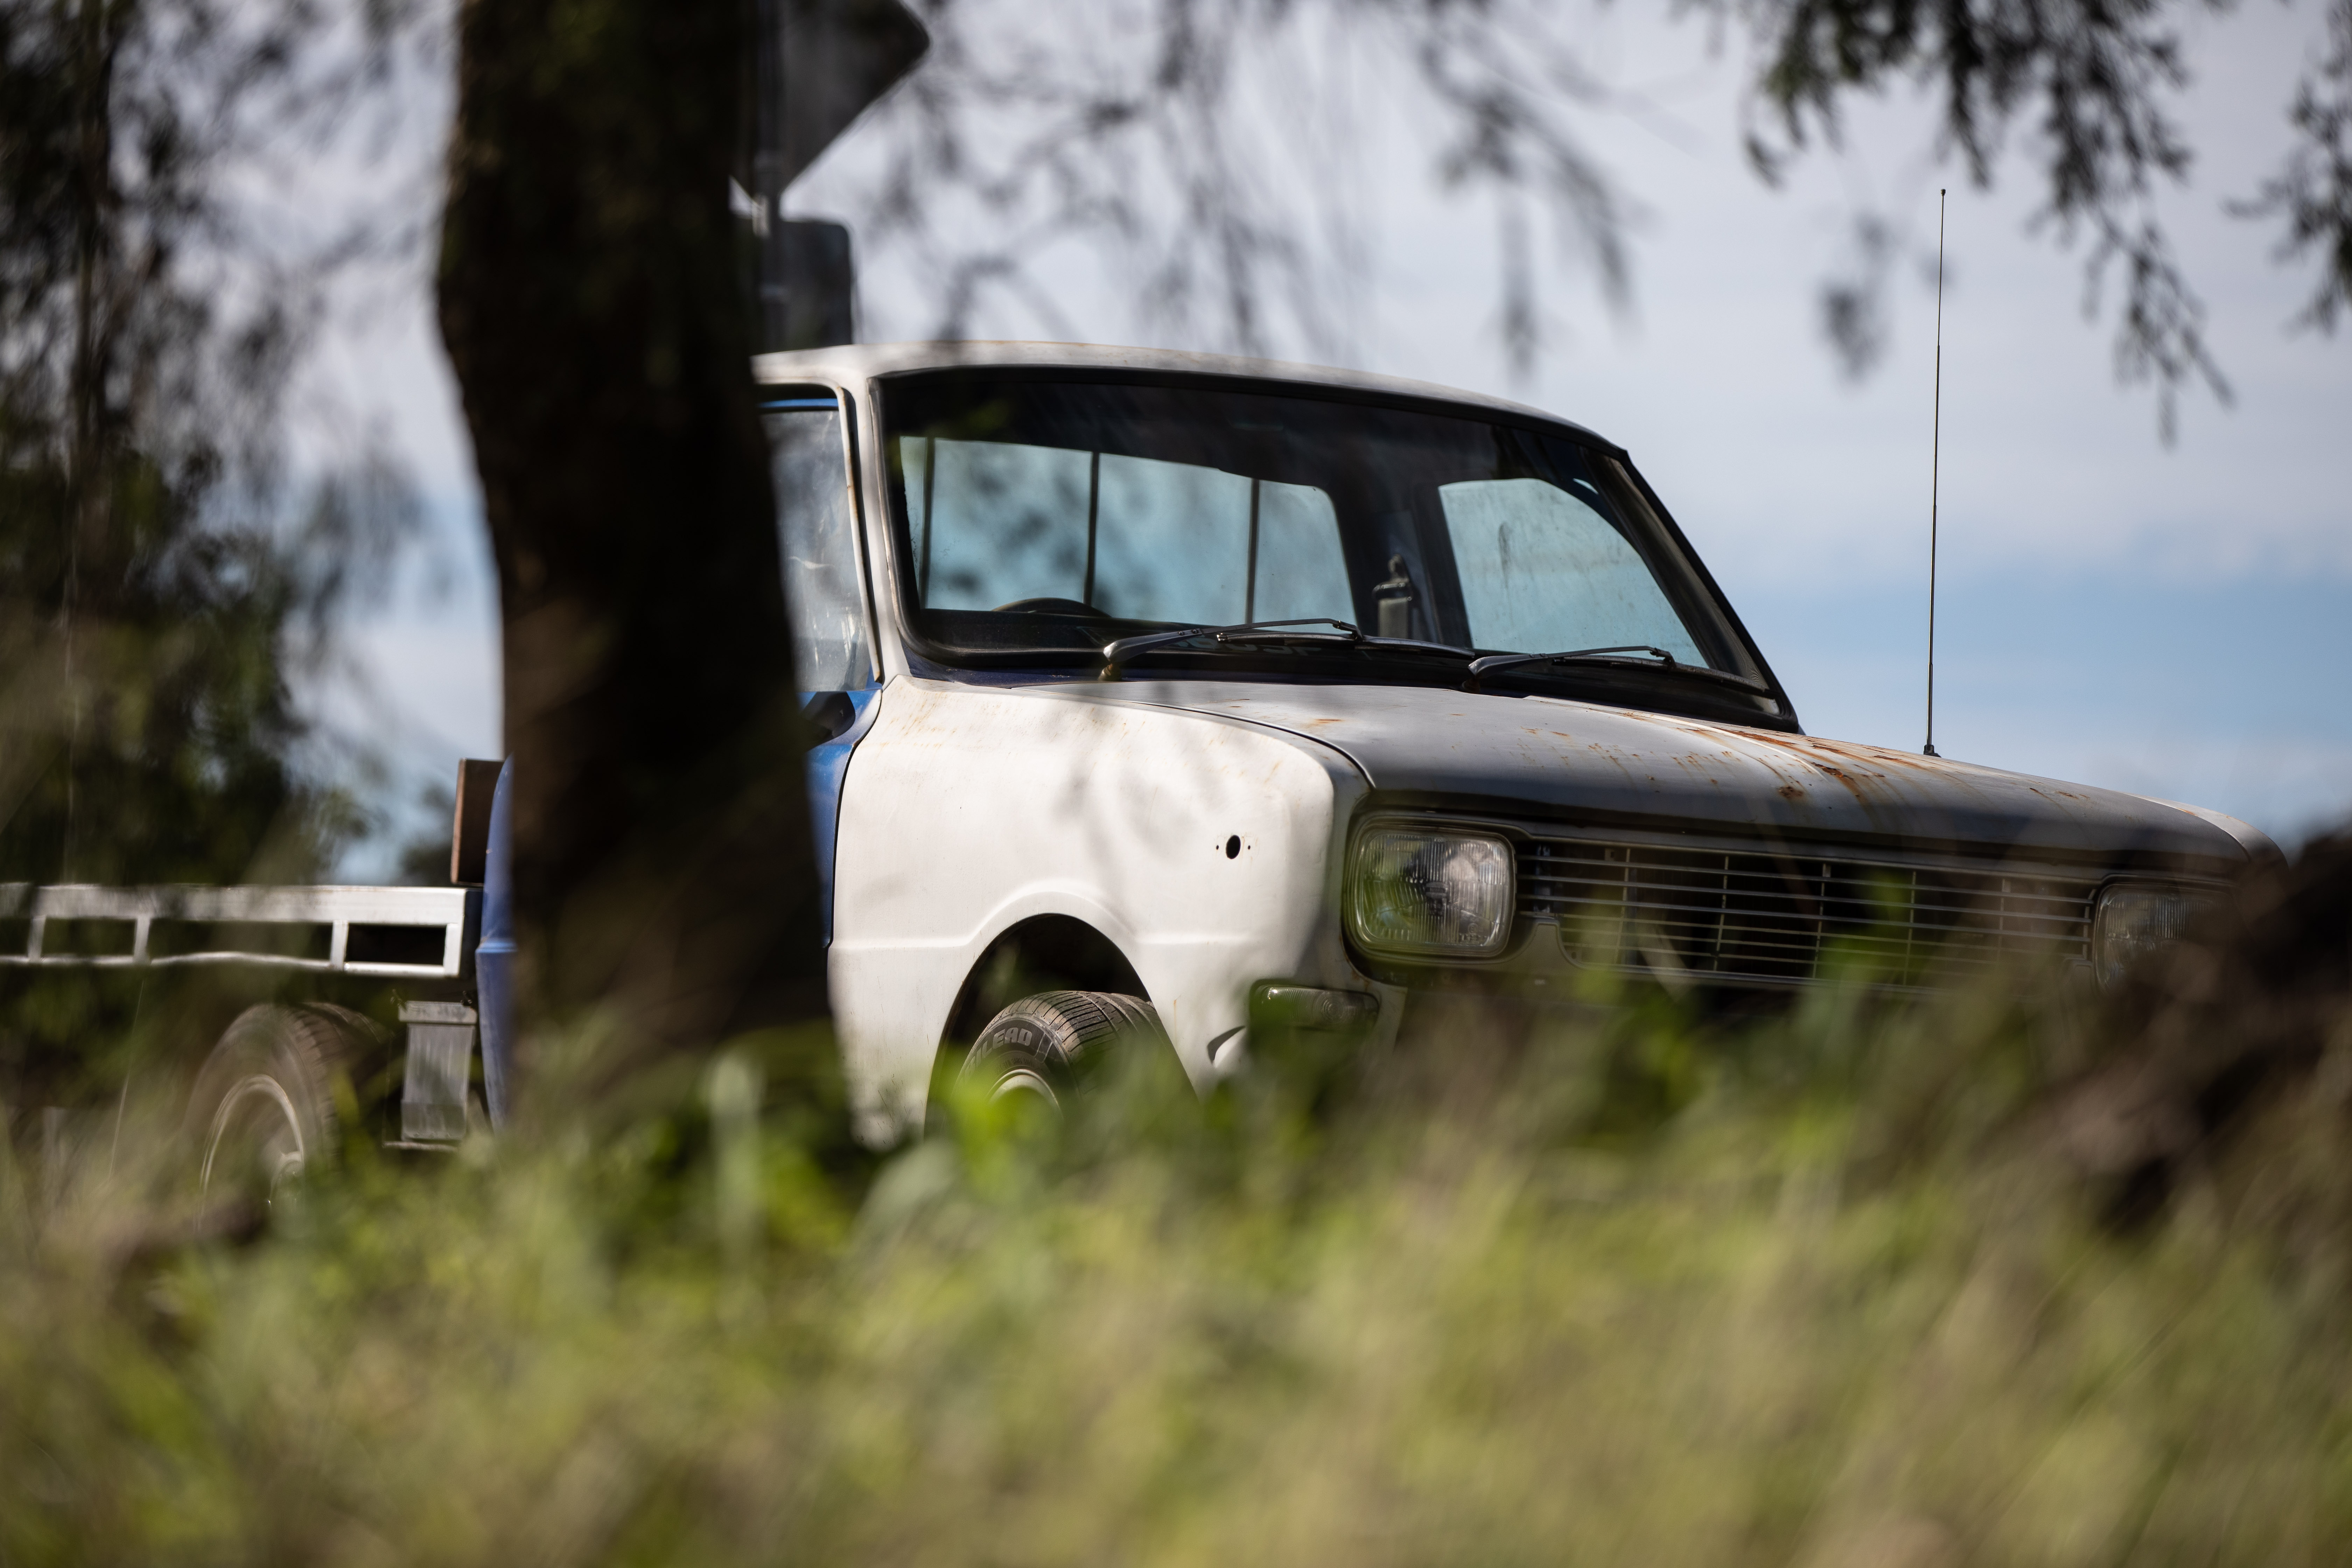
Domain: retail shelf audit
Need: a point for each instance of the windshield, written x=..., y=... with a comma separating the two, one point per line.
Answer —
x=1039, y=515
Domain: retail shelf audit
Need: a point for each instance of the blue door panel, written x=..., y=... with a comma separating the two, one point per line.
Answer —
x=829, y=764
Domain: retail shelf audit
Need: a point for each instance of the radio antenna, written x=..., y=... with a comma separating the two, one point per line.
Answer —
x=1934, y=461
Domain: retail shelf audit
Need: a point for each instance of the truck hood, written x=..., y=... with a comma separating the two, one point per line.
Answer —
x=1552, y=757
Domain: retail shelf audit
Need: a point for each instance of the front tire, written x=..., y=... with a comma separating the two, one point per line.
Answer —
x=1041, y=1046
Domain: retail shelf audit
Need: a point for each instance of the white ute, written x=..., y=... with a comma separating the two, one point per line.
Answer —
x=1238, y=695
x=1166, y=696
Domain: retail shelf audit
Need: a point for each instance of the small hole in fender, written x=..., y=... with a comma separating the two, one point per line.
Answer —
x=1233, y=847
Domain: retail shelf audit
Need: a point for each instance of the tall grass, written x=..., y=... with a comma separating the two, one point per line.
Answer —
x=1823, y=1291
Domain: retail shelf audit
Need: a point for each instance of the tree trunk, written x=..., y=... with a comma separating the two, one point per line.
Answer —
x=590, y=301
x=97, y=34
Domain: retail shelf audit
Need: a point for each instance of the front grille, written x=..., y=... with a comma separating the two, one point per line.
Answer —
x=1773, y=916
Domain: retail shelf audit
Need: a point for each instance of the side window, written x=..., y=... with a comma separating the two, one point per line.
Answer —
x=1299, y=571
x=998, y=522
x=818, y=539
x=995, y=522
x=1542, y=571
x=1170, y=537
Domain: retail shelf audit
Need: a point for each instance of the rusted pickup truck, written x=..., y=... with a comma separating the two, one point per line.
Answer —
x=1256, y=696
x=1178, y=698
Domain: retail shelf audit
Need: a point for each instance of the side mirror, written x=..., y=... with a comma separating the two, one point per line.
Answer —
x=829, y=714
x=470, y=832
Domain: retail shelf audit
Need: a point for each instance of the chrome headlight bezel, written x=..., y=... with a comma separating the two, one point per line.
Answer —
x=1394, y=862
x=2135, y=918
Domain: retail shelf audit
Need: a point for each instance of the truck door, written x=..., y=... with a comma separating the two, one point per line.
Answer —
x=825, y=579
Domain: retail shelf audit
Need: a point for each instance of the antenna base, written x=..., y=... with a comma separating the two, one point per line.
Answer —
x=1930, y=750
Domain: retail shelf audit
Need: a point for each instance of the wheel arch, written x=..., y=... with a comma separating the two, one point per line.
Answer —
x=1041, y=953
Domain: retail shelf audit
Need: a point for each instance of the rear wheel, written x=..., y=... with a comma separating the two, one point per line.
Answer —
x=1038, y=1048
x=263, y=1112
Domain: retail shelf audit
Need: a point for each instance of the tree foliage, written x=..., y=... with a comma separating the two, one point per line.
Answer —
x=1210, y=152
x=160, y=569
x=2083, y=91
x=2313, y=190
x=1210, y=149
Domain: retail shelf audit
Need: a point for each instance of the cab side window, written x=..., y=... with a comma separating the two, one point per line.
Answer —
x=818, y=540
x=1141, y=538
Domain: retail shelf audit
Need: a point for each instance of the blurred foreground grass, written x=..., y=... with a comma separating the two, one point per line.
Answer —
x=1823, y=1292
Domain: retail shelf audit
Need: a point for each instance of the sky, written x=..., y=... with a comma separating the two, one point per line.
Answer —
x=2171, y=620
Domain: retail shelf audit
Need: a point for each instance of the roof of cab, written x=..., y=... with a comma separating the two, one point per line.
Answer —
x=857, y=362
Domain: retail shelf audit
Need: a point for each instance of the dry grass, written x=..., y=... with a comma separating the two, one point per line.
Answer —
x=1823, y=1292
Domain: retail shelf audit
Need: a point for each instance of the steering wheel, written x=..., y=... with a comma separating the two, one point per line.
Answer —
x=1052, y=607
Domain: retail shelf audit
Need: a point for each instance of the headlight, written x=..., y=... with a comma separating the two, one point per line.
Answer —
x=2136, y=919
x=1424, y=893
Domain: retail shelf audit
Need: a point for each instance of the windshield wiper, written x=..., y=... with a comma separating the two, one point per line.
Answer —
x=1494, y=662
x=1254, y=632
x=1479, y=667
x=1240, y=631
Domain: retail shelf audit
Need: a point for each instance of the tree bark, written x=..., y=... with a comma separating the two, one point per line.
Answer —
x=590, y=302
x=97, y=34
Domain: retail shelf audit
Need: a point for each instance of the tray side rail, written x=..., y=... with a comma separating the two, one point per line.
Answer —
x=387, y=933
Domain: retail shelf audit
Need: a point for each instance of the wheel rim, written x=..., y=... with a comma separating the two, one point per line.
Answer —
x=258, y=1115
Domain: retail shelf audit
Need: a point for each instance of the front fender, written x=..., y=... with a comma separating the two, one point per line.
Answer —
x=1204, y=847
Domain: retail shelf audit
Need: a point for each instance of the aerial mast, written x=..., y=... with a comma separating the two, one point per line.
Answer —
x=1934, y=461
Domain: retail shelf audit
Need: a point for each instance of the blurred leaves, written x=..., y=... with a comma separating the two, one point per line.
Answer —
x=2083, y=90
x=2093, y=79
x=2313, y=189
x=159, y=566
x=1176, y=137
x=1217, y=154
x=1820, y=1289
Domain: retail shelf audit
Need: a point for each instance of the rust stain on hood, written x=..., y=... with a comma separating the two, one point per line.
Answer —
x=1579, y=757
